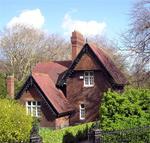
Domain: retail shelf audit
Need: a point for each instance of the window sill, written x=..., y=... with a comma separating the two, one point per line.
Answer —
x=81, y=119
x=38, y=117
x=87, y=86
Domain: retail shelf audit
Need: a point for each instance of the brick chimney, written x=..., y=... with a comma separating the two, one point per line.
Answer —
x=77, y=42
x=10, y=86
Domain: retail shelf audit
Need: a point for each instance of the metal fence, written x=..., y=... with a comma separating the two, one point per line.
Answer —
x=133, y=135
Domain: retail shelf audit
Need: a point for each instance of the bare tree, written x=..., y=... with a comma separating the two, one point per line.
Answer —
x=57, y=48
x=137, y=40
x=22, y=47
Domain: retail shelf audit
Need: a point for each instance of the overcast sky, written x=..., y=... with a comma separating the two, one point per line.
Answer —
x=91, y=17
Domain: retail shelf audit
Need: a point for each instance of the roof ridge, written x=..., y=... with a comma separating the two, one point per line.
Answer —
x=52, y=62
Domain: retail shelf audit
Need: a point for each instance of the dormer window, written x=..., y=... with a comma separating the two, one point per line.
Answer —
x=88, y=78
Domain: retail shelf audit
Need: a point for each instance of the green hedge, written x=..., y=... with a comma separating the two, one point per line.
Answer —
x=71, y=134
x=3, y=91
x=15, y=125
x=134, y=135
x=125, y=110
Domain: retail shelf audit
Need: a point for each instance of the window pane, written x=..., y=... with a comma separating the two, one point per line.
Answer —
x=91, y=80
x=91, y=73
x=86, y=81
x=86, y=73
x=29, y=110
x=39, y=111
x=34, y=111
x=82, y=105
x=29, y=102
x=34, y=103
x=82, y=113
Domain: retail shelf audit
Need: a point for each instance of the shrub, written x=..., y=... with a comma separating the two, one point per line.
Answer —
x=3, y=91
x=134, y=135
x=15, y=125
x=67, y=135
x=125, y=110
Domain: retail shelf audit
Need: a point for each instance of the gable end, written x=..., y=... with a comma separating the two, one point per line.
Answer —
x=85, y=50
x=69, y=72
x=31, y=83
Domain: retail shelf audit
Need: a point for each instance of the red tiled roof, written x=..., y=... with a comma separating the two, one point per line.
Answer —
x=51, y=68
x=54, y=95
x=117, y=75
x=64, y=63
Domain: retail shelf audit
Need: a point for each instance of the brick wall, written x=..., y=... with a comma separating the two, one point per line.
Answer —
x=90, y=96
x=62, y=122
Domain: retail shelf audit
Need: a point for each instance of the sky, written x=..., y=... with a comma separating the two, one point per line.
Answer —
x=90, y=17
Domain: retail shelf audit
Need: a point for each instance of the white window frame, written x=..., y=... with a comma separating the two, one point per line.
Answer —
x=36, y=106
x=82, y=111
x=88, y=78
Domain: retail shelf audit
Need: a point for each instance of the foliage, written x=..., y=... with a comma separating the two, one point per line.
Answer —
x=125, y=110
x=3, y=91
x=35, y=125
x=15, y=125
x=138, y=135
x=66, y=135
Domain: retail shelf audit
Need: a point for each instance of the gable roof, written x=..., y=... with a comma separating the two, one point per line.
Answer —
x=110, y=66
x=54, y=95
x=103, y=58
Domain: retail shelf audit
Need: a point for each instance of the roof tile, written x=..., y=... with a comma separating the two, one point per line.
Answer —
x=109, y=65
x=54, y=95
x=50, y=68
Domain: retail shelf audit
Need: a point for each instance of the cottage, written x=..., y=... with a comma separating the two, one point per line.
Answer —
x=63, y=93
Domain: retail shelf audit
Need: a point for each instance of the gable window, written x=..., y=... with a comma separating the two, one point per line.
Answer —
x=88, y=78
x=33, y=108
x=82, y=111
